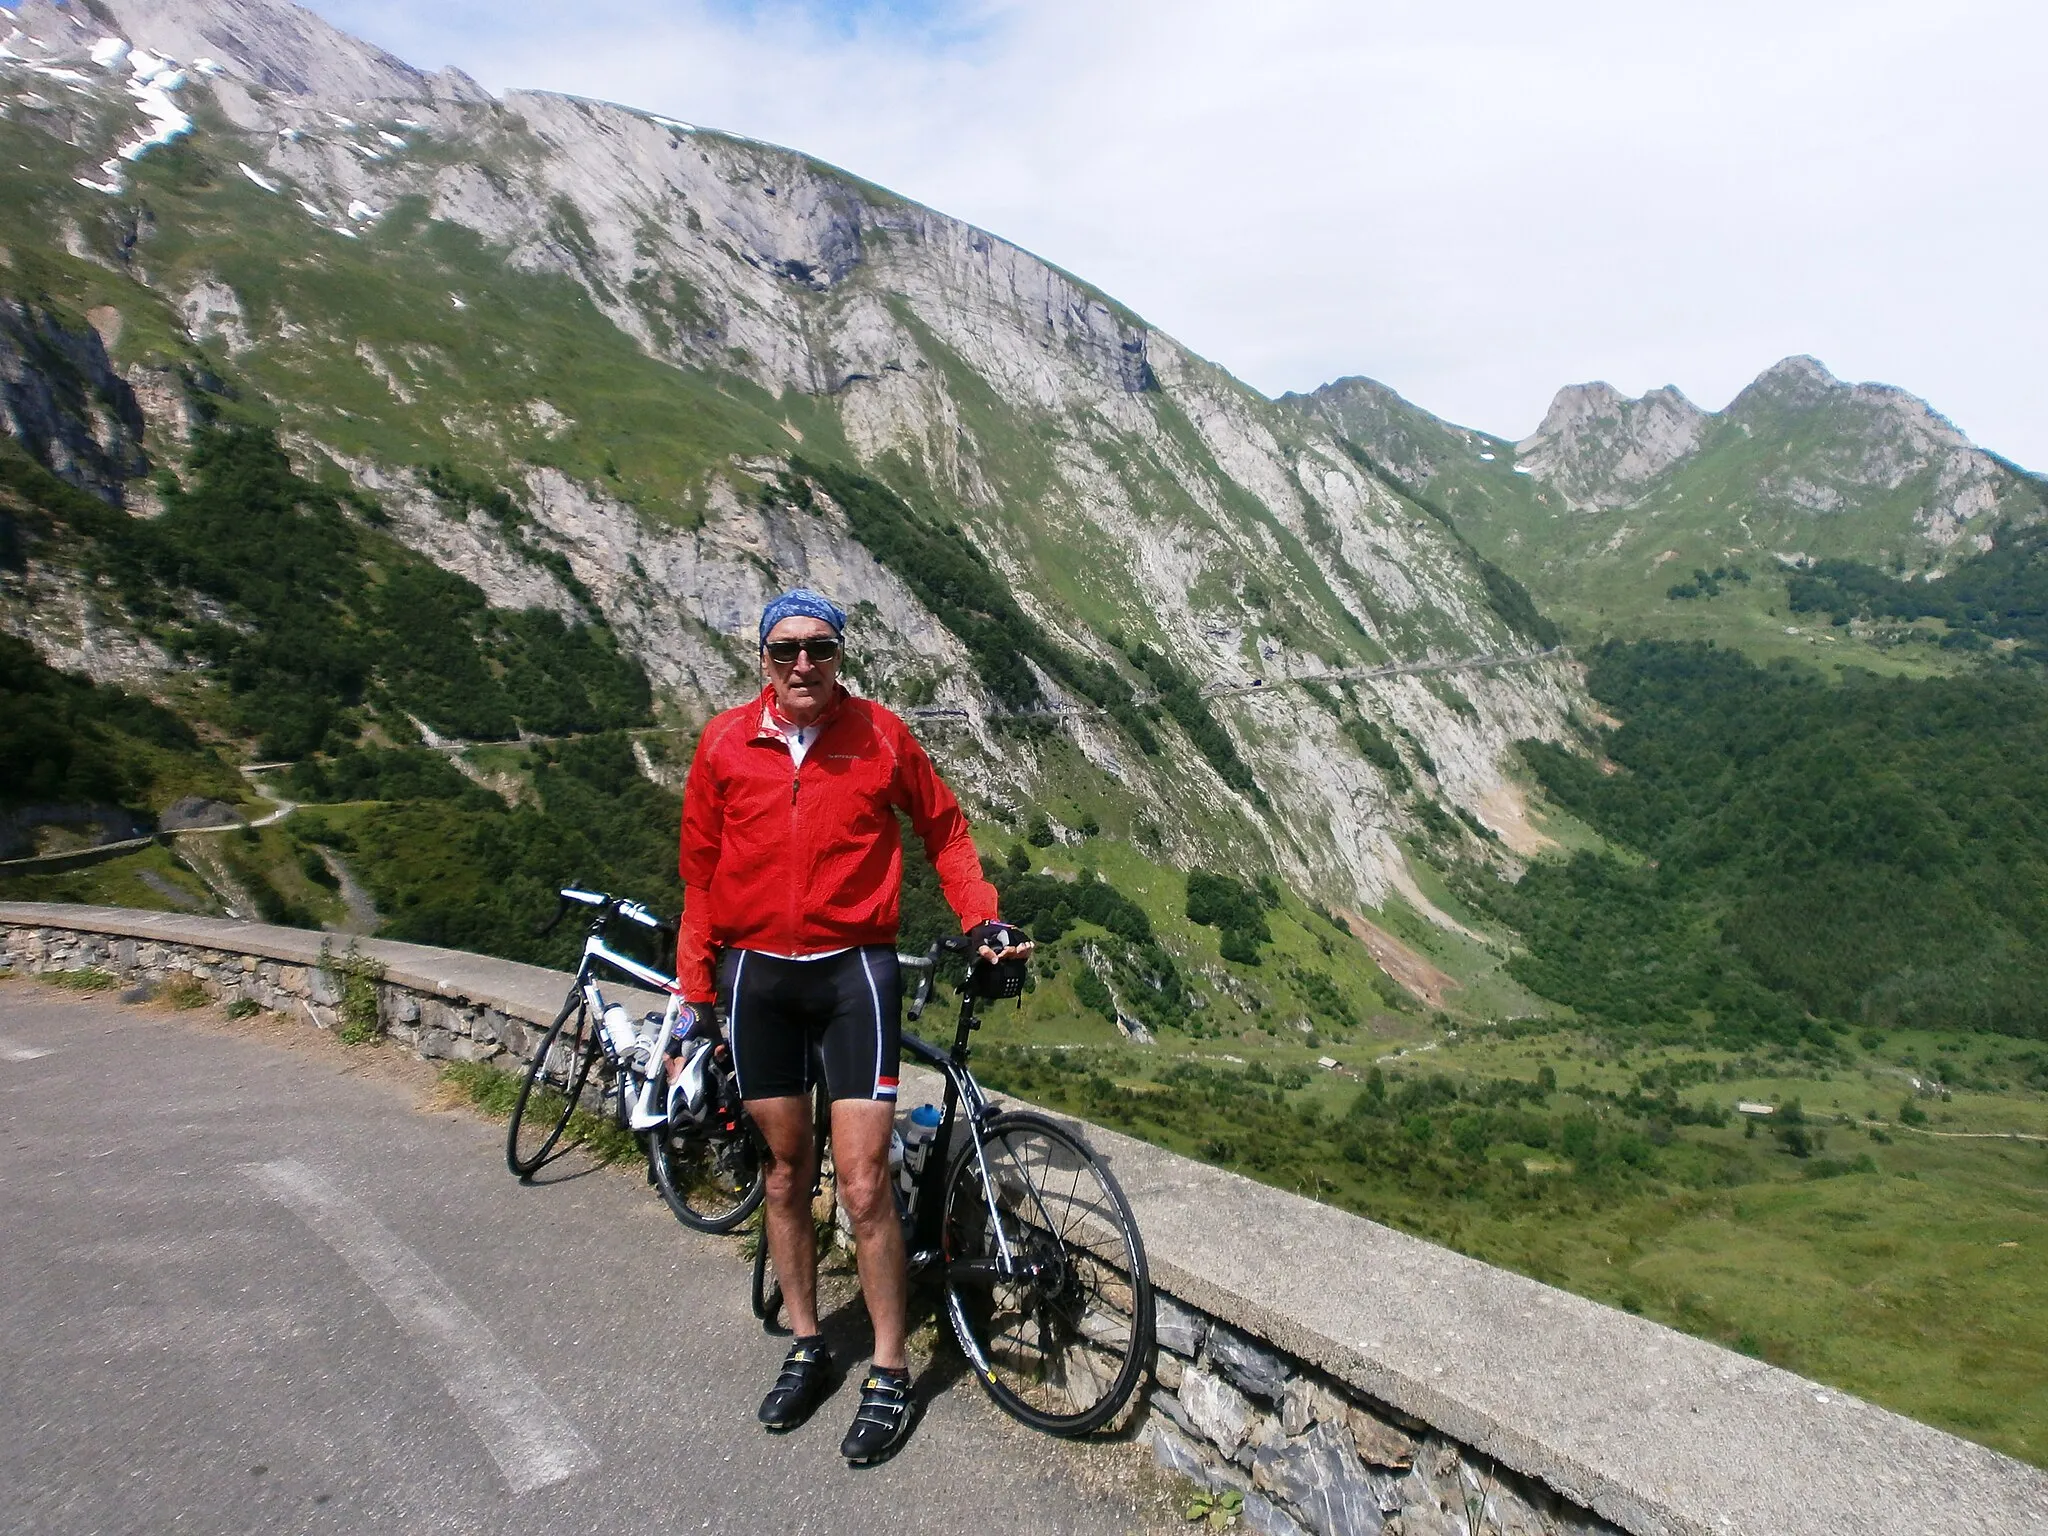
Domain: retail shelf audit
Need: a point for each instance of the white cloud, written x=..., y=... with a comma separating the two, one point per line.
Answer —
x=1475, y=202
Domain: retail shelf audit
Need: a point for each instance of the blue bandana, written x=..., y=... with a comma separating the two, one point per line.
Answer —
x=802, y=603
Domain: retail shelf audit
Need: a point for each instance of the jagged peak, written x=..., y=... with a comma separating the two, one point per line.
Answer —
x=1798, y=381
x=1350, y=385
x=1600, y=447
x=1576, y=406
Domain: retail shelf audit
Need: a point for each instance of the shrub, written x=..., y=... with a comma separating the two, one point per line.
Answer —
x=355, y=976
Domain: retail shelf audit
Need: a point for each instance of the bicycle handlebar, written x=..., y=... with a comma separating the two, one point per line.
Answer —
x=619, y=906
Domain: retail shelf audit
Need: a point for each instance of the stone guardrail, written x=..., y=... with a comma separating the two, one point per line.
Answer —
x=1346, y=1379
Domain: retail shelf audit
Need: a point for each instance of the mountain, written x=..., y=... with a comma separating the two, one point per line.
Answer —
x=1651, y=516
x=616, y=377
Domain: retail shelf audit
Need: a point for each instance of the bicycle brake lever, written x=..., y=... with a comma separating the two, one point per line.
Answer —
x=561, y=911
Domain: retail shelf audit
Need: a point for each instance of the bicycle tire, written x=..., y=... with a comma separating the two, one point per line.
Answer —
x=767, y=1290
x=711, y=1182
x=552, y=1088
x=1061, y=1351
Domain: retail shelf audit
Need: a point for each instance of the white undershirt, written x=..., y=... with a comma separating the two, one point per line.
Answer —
x=797, y=738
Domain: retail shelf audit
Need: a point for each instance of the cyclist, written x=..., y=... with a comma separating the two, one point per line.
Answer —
x=791, y=864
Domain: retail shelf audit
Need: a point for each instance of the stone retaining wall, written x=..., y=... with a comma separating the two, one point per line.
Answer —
x=437, y=1028
x=1309, y=1455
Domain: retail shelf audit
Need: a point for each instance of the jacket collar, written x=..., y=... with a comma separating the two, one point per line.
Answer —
x=764, y=711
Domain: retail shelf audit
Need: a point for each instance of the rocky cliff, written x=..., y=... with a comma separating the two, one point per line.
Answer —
x=1600, y=448
x=645, y=333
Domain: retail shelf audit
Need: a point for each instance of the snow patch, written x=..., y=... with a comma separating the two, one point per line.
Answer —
x=111, y=169
x=1523, y=469
x=207, y=66
x=109, y=51
x=170, y=122
x=676, y=123
x=391, y=138
x=1487, y=457
x=316, y=210
x=456, y=300
x=360, y=210
x=259, y=178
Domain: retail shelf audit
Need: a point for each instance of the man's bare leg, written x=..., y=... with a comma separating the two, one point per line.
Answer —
x=860, y=1159
x=785, y=1124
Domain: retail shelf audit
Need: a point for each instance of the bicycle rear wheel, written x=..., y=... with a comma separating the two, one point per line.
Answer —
x=712, y=1180
x=554, y=1087
x=1060, y=1340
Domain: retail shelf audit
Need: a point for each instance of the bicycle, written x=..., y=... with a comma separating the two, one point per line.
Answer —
x=702, y=1152
x=1044, y=1271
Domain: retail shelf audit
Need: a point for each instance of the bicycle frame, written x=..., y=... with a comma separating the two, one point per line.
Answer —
x=962, y=1091
x=646, y=1111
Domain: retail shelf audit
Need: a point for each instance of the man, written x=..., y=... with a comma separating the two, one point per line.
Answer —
x=791, y=863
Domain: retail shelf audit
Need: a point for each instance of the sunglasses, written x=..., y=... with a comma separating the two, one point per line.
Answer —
x=785, y=652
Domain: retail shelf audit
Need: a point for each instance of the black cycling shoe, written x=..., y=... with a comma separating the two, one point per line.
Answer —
x=805, y=1380
x=882, y=1422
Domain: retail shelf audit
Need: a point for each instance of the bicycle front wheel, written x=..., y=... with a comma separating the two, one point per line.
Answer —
x=553, y=1089
x=1046, y=1283
x=713, y=1180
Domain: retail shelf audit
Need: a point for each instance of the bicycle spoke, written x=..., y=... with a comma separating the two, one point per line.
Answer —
x=1060, y=1343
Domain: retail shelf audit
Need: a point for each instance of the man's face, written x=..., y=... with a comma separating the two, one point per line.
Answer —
x=803, y=687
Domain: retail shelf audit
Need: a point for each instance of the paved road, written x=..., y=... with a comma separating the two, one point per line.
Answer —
x=244, y=1287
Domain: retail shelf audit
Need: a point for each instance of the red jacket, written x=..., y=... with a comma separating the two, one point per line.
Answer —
x=800, y=860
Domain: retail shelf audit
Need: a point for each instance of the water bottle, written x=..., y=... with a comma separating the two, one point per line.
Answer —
x=923, y=1129
x=618, y=1029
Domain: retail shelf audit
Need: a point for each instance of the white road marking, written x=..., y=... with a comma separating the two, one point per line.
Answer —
x=525, y=1433
x=9, y=1051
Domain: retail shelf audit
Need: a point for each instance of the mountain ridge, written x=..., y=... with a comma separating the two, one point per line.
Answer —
x=430, y=281
x=1613, y=501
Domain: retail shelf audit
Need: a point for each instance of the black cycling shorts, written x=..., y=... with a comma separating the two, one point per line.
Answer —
x=845, y=1007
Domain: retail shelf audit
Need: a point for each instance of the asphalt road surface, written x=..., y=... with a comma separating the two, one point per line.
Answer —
x=251, y=1281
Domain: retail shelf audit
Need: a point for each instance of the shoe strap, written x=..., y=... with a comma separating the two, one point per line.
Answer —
x=883, y=1399
x=798, y=1366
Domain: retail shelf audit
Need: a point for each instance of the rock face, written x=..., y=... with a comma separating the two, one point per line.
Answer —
x=63, y=401
x=1600, y=448
x=1121, y=488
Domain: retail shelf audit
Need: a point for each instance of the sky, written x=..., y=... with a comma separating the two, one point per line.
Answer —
x=1474, y=201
